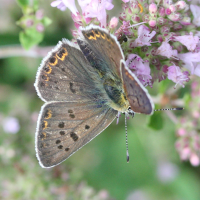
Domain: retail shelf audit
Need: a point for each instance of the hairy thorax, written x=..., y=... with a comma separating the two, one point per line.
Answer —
x=116, y=96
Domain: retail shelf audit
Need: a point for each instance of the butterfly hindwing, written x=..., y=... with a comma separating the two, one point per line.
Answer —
x=137, y=95
x=65, y=127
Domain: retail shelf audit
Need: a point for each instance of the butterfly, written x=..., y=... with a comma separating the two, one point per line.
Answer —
x=84, y=86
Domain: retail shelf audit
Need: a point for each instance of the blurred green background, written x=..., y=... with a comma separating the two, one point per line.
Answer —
x=99, y=170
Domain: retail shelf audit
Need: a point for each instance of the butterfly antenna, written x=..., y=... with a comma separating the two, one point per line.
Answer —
x=169, y=109
x=127, y=154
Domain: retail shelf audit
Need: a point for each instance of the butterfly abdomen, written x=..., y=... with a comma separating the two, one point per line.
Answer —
x=116, y=97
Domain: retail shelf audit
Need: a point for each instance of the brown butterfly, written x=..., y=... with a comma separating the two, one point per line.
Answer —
x=83, y=86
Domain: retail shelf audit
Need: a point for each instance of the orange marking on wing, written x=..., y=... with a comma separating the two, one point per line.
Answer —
x=50, y=70
x=45, y=124
x=103, y=36
x=63, y=54
x=55, y=62
x=49, y=113
x=92, y=38
x=96, y=34
x=45, y=135
x=46, y=77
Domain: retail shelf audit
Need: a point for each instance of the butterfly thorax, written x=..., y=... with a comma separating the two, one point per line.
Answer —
x=116, y=96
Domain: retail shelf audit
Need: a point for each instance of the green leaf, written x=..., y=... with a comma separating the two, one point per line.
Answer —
x=156, y=121
x=164, y=85
x=187, y=98
x=23, y=3
x=35, y=5
x=30, y=37
x=46, y=21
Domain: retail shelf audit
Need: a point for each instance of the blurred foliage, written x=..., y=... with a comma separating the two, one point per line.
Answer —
x=32, y=22
x=99, y=170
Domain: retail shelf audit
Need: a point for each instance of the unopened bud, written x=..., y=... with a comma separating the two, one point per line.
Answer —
x=152, y=8
x=175, y=17
x=180, y=5
x=152, y=23
x=161, y=11
x=113, y=22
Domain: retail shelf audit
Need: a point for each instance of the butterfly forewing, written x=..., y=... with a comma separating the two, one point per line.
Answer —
x=64, y=127
x=101, y=48
x=65, y=75
x=138, y=97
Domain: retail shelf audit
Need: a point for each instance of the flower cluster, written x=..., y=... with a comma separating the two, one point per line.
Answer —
x=93, y=11
x=159, y=39
x=188, y=143
x=168, y=39
x=33, y=24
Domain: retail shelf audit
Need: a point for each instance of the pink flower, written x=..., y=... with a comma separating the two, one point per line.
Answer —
x=152, y=23
x=192, y=62
x=40, y=27
x=152, y=8
x=194, y=159
x=63, y=4
x=167, y=171
x=166, y=50
x=181, y=132
x=196, y=13
x=39, y=14
x=185, y=153
x=80, y=20
x=96, y=8
x=189, y=41
x=113, y=22
x=140, y=68
x=180, y=5
x=11, y=125
x=144, y=37
x=83, y=4
x=176, y=75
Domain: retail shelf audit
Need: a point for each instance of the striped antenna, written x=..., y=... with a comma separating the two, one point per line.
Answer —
x=127, y=154
x=169, y=109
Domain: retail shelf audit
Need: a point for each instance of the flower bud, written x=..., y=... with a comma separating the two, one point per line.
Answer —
x=177, y=27
x=194, y=159
x=168, y=11
x=134, y=7
x=165, y=29
x=153, y=51
x=175, y=17
x=39, y=14
x=180, y=5
x=124, y=6
x=113, y=22
x=152, y=23
x=122, y=16
x=162, y=21
x=152, y=8
x=29, y=23
x=40, y=27
x=146, y=18
x=186, y=21
x=135, y=18
x=172, y=8
x=165, y=68
x=161, y=11
x=144, y=48
x=160, y=38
